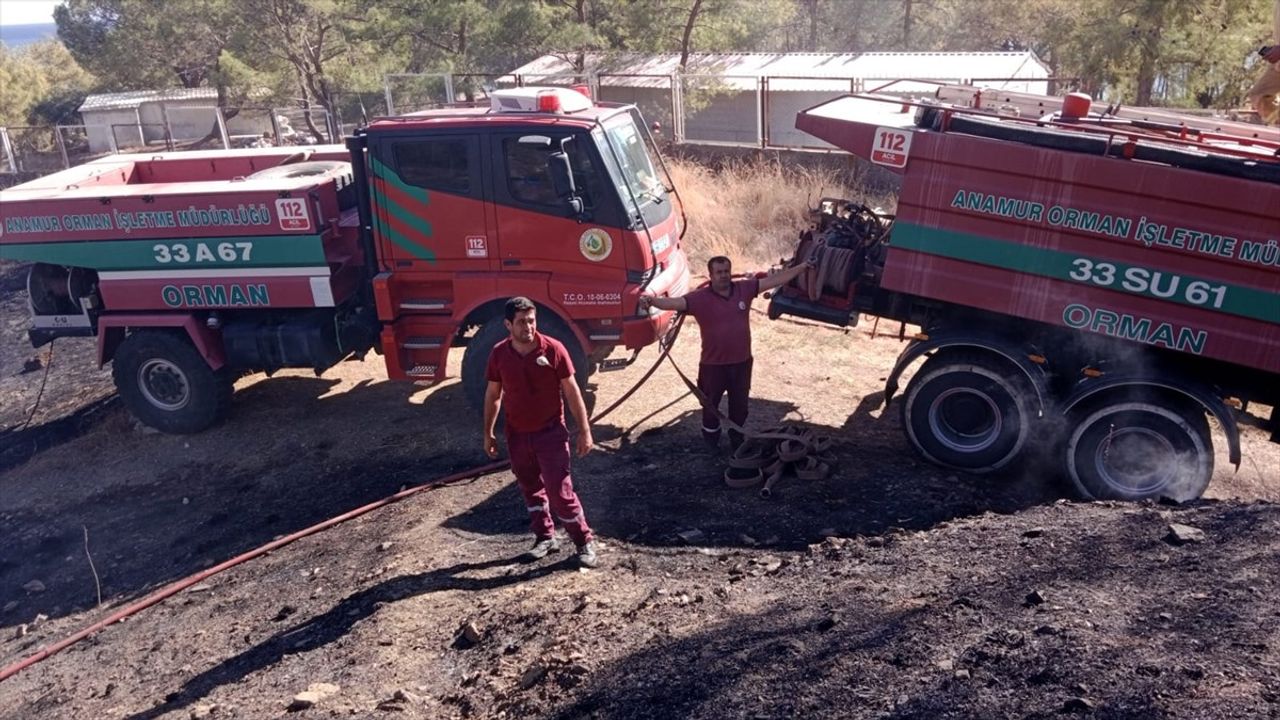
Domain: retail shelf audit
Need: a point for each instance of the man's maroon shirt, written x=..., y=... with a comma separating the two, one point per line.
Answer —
x=530, y=389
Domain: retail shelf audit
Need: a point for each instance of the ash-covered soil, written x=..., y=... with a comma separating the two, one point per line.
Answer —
x=892, y=589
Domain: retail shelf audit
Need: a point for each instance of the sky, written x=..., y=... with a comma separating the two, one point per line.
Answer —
x=26, y=12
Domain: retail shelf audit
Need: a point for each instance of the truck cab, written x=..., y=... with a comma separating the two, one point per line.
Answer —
x=543, y=193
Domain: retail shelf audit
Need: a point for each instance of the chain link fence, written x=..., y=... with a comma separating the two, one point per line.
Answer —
x=26, y=149
x=34, y=149
x=745, y=111
x=654, y=95
x=409, y=93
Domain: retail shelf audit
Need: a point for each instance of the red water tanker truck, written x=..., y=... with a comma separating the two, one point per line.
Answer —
x=192, y=268
x=1090, y=287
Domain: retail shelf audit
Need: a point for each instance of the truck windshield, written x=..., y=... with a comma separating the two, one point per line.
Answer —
x=636, y=175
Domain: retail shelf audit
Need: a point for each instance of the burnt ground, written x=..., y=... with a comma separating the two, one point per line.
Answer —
x=936, y=595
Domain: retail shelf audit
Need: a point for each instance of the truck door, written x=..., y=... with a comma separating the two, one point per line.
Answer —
x=536, y=229
x=429, y=203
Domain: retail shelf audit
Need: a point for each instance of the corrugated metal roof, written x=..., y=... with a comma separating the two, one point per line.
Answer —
x=742, y=70
x=132, y=99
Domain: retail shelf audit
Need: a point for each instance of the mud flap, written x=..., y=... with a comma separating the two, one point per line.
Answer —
x=1006, y=349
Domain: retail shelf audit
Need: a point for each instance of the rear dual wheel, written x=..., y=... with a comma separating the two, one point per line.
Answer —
x=1135, y=449
x=975, y=413
x=968, y=411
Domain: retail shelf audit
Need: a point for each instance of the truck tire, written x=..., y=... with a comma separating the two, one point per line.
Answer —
x=1136, y=449
x=167, y=385
x=968, y=411
x=494, y=331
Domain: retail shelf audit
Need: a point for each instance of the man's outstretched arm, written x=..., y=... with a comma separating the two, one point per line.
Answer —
x=663, y=303
x=782, y=277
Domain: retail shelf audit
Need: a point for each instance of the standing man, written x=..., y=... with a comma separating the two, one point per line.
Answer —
x=723, y=312
x=527, y=373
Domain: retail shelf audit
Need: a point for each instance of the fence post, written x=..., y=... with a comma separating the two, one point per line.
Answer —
x=386, y=93
x=142, y=134
x=168, y=132
x=334, y=121
x=677, y=107
x=62, y=146
x=8, y=149
x=449, y=99
x=761, y=84
x=763, y=109
x=221, y=122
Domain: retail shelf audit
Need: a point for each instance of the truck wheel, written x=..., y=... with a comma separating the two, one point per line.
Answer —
x=167, y=385
x=1135, y=449
x=476, y=357
x=968, y=412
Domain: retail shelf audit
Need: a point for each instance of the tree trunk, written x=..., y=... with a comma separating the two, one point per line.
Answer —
x=688, y=33
x=316, y=135
x=906, y=25
x=215, y=132
x=853, y=41
x=1146, y=79
x=1151, y=27
x=580, y=65
x=813, y=25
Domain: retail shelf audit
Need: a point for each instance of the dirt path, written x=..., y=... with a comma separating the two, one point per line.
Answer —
x=942, y=596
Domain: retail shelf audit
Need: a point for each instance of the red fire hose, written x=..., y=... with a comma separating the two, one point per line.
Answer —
x=181, y=585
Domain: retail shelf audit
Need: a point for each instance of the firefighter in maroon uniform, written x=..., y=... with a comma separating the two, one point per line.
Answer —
x=527, y=373
x=723, y=312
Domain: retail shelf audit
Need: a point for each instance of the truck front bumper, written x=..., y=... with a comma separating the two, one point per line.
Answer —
x=639, y=332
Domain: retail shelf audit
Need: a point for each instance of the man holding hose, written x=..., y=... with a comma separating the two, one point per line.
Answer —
x=723, y=312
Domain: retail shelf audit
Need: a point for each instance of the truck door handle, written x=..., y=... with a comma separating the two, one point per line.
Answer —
x=507, y=262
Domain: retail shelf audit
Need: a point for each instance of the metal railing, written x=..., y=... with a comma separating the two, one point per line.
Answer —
x=43, y=149
x=744, y=111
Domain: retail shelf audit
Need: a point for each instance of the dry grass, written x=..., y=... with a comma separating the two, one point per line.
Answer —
x=751, y=210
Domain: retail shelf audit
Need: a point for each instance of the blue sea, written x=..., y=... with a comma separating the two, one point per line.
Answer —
x=15, y=36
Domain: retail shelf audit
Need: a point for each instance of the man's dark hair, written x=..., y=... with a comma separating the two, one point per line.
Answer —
x=717, y=260
x=517, y=305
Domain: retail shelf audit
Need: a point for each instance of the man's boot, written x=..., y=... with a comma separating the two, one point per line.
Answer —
x=542, y=547
x=587, y=556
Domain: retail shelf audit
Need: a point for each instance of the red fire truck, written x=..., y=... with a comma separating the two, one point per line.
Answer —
x=192, y=268
x=1089, y=285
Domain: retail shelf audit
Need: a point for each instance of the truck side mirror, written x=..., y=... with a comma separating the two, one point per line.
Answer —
x=562, y=180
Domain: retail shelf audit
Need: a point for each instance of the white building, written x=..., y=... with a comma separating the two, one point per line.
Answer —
x=753, y=98
x=131, y=120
